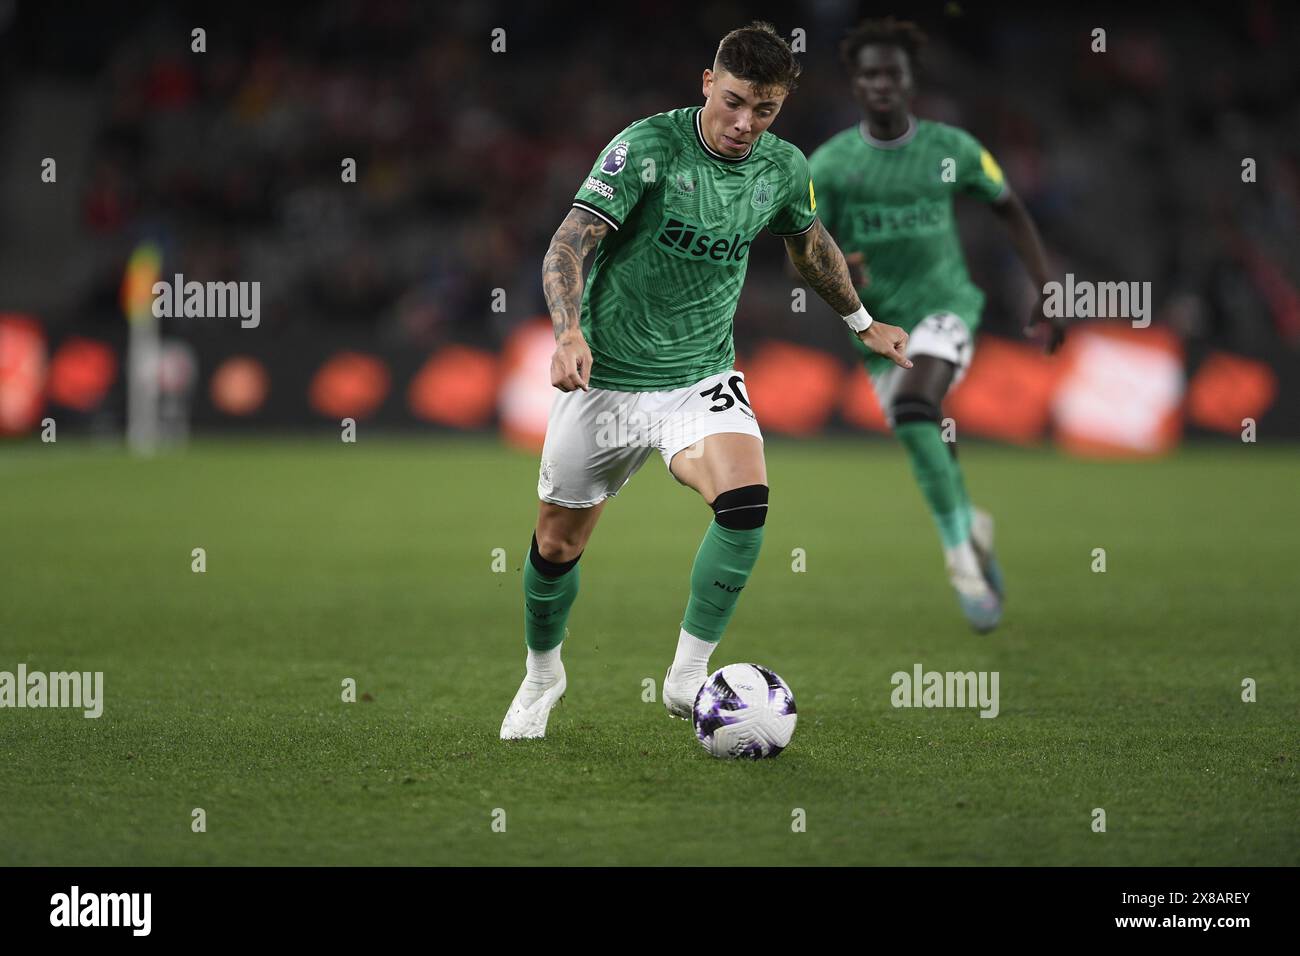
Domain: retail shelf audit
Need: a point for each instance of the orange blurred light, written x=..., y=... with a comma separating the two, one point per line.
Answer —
x=861, y=407
x=81, y=373
x=22, y=373
x=457, y=386
x=350, y=385
x=1007, y=392
x=239, y=386
x=793, y=388
x=1229, y=388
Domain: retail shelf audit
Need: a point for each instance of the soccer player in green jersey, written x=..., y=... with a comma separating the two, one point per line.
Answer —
x=644, y=355
x=885, y=191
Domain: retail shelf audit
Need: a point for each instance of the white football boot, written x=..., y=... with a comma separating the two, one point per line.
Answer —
x=979, y=602
x=529, y=711
x=680, y=693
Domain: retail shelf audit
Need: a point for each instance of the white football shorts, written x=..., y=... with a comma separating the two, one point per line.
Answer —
x=943, y=335
x=597, y=440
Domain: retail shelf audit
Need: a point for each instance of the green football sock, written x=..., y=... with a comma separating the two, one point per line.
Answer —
x=547, y=601
x=940, y=480
x=722, y=566
x=963, y=499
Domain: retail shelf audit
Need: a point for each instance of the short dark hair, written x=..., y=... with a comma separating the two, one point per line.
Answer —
x=888, y=31
x=760, y=56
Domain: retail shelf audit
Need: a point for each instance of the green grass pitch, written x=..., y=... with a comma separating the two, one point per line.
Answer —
x=1120, y=691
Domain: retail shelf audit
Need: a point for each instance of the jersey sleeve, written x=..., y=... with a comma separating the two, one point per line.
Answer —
x=616, y=183
x=980, y=175
x=798, y=211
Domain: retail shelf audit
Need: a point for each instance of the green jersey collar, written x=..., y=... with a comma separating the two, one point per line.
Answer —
x=898, y=142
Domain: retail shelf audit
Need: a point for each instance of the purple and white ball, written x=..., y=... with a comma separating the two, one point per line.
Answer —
x=744, y=710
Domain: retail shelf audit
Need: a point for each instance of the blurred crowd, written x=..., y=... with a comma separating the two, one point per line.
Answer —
x=1130, y=159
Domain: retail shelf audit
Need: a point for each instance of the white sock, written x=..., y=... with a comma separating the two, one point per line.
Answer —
x=544, y=668
x=692, y=656
x=963, y=558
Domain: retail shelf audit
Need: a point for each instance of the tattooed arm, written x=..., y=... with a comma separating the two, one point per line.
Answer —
x=562, y=284
x=820, y=262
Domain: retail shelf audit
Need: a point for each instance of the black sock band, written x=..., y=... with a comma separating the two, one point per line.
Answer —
x=914, y=408
x=549, y=569
x=741, y=509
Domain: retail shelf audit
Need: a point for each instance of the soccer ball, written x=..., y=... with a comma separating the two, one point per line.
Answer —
x=744, y=710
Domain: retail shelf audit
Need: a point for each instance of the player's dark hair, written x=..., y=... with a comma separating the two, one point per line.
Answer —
x=760, y=56
x=887, y=31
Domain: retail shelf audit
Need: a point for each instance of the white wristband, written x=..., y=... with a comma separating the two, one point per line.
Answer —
x=860, y=320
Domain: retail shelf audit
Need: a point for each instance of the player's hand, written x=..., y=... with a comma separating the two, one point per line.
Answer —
x=887, y=340
x=1044, y=329
x=571, y=363
x=858, y=272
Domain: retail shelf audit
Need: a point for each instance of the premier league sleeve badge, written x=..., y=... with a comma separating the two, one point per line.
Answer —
x=615, y=160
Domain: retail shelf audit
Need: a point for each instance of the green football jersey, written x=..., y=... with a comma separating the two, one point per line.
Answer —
x=892, y=201
x=659, y=301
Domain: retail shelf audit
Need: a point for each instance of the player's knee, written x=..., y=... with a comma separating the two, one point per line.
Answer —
x=554, y=554
x=741, y=509
x=914, y=408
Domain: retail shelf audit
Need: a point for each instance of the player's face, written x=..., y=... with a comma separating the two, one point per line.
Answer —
x=882, y=81
x=735, y=113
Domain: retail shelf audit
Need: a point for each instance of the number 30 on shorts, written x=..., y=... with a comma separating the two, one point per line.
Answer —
x=722, y=400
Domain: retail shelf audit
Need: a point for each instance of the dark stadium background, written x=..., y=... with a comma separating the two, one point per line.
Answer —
x=314, y=642
x=376, y=296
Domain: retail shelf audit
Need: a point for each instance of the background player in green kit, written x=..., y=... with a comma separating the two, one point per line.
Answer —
x=885, y=189
x=644, y=354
